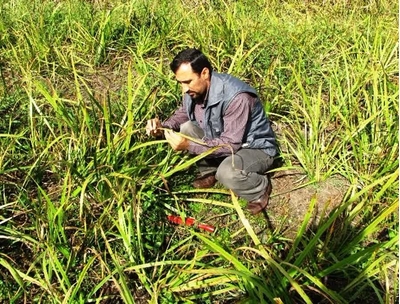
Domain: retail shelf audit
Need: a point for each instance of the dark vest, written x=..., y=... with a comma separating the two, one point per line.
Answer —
x=223, y=89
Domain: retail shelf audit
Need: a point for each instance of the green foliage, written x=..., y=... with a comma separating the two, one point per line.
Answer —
x=84, y=194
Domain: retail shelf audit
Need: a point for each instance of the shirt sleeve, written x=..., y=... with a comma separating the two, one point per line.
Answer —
x=179, y=117
x=235, y=119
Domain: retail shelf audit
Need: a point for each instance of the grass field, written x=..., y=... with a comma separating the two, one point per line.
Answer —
x=84, y=194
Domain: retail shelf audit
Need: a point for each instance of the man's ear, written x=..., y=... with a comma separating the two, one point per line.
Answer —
x=205, y=74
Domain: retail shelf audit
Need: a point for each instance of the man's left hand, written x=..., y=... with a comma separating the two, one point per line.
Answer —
x=177, y=142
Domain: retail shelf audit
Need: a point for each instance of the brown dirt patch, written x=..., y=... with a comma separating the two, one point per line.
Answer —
x=291, y=198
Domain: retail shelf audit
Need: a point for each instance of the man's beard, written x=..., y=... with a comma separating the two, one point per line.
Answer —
x=199, y=98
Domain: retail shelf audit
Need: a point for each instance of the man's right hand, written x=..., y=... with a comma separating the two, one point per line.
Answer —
x=152, y=127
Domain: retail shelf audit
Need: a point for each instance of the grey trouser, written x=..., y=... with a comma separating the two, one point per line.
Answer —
x=244, y=172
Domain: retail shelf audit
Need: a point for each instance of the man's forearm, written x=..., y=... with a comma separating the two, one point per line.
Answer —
x=174, y=122
x=224, y=150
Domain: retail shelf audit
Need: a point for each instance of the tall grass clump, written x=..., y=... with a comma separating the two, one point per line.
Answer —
x=84, y=194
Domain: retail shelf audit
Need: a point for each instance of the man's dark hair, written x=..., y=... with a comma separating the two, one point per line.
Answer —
x=198, y=61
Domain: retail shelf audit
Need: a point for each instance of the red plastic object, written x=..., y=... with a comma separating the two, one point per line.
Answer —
x=206, y=227
x=175, y=219
x=190, y=221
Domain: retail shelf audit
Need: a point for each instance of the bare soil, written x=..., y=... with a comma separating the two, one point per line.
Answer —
x=291, y=198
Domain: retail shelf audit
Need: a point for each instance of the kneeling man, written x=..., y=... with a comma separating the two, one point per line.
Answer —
x=219, y=109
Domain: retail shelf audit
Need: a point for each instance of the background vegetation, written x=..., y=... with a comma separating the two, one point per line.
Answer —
x=84, y=194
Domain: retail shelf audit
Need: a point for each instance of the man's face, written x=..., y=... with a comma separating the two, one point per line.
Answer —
x=196, y=85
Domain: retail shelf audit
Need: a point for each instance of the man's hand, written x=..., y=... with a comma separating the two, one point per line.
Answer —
x=177, y=142
x=152, y=127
